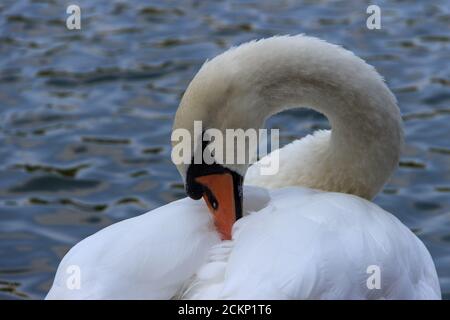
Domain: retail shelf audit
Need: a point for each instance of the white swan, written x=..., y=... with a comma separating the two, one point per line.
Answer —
x=309, y=233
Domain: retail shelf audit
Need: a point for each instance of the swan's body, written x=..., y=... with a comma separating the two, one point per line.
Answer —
x=294, y=242
x=334, y=245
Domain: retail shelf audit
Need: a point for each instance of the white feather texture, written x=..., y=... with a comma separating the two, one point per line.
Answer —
x=146, y=257
x=309, y=231
x=309, y=244
x=298, y=244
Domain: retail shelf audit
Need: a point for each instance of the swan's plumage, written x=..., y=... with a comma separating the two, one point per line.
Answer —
x=294, y=243
x=146, y=257
x=320, y=246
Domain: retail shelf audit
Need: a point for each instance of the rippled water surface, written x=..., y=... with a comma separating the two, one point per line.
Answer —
x=85, y=116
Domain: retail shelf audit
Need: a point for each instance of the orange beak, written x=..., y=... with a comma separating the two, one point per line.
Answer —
x=220, y=197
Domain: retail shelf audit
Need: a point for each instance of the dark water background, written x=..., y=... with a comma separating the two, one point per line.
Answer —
x=85, y=116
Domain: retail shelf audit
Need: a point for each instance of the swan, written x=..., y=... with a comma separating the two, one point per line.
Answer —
x=308, y=232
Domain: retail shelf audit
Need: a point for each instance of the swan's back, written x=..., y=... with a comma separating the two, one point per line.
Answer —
x=317, y=245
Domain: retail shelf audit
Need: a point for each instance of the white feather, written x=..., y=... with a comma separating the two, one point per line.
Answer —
x=318, y=245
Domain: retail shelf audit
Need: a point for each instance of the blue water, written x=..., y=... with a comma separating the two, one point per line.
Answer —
x=85, y=116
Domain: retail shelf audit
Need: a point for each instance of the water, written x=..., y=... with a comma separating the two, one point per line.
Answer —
x=85, y=116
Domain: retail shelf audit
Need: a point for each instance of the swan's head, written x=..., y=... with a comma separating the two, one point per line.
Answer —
x=214, y=102
x=221, y=188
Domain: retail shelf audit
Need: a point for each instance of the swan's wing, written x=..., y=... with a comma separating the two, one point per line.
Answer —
x=146, y=257
x=315, y=245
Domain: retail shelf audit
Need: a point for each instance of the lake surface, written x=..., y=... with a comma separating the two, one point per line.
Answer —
x=86, y=116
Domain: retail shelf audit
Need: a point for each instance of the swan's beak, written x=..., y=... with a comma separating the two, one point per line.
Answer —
x=223, y=195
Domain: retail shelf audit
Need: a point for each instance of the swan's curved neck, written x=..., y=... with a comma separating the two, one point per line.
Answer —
x=262, y=78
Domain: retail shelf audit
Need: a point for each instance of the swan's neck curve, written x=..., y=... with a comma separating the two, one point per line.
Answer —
x=244, y=86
